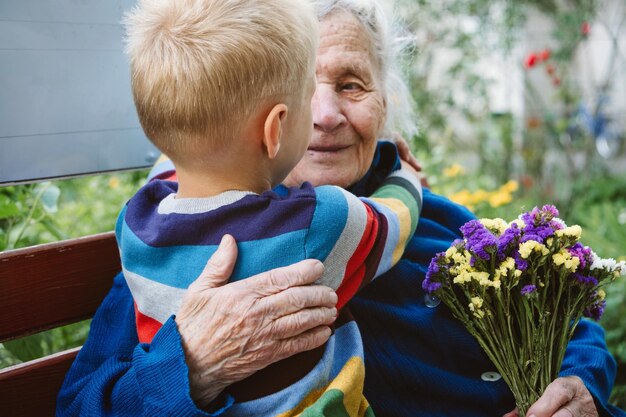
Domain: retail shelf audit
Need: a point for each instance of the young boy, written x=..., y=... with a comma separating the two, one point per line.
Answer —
x=224, y=88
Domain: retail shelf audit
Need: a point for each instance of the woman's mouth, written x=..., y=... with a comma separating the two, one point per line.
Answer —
x=327, y=148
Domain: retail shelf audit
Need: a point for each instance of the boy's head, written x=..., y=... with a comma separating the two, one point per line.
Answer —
x=201, y=69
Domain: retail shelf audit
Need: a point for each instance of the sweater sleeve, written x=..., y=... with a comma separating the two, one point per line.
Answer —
x=113, y=374
x=359, y=239
x=587, y=357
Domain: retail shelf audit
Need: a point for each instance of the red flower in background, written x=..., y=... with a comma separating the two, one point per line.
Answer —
x=585, y=28
x=545, y=54
x=531, y=60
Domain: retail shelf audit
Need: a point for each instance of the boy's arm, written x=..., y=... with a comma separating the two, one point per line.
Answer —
x=115, y=375
x=358, y=239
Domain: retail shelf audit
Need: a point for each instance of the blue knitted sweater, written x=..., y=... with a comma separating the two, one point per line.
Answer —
x=419, y=361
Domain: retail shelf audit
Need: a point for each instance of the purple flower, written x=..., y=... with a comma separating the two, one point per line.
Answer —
x=458, y=242
x=471, y=227
x=529, y=235
x=480, y=241
x=595, y=310
x=520, y=263
x=428, y=284
x=528, y=289
x=583, y=253
x=542, y=216
x=584, y=279
x=556, y=225
x=508, y=239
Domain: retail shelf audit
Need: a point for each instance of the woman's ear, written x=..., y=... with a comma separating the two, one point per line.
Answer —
x=273, y=129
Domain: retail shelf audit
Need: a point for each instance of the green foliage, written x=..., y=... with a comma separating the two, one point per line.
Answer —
x=46, y=212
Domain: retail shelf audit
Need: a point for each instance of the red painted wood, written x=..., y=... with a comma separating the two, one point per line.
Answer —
x=45, y=286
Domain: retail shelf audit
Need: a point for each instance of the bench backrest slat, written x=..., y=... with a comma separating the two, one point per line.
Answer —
x=31, y=389
x=49, y=285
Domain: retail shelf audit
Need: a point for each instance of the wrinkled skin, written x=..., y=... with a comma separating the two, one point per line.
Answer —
x=253, y=322
x=564, y=397
x=349, y=108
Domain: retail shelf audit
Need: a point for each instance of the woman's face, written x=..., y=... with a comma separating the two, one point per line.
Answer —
x=348, y=106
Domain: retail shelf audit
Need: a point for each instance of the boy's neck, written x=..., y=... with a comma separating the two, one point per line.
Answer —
x=226, y=175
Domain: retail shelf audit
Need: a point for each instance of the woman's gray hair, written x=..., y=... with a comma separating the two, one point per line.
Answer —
x=391, y=45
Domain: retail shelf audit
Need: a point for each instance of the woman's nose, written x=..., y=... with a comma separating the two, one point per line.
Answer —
x=327, y=111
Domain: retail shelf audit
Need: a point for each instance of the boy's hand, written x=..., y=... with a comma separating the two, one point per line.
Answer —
x=404, y=152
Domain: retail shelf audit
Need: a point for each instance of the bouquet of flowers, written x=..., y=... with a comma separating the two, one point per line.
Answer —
x=521, y=288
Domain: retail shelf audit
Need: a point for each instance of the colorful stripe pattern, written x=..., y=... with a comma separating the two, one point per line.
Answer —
x=165, y=243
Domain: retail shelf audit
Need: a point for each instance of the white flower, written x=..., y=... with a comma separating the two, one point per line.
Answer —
x=608, y=264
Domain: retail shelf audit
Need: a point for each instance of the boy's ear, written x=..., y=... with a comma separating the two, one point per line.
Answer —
x=273, y=129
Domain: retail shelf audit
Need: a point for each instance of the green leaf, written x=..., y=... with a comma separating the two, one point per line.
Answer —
x=27, y=348
x=8, y=208
x=50, y=197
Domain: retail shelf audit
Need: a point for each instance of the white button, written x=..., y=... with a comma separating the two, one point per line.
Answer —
x=431, y=301
x=490, y=376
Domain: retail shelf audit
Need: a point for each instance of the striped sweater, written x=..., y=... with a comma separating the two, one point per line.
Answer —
x=165, y=243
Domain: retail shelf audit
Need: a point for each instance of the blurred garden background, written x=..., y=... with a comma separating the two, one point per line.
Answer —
x=520, y=103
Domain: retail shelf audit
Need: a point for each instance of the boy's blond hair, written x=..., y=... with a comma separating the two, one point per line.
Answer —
x=199, y=68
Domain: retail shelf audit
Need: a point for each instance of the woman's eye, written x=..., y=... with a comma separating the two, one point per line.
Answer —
x=351, y=87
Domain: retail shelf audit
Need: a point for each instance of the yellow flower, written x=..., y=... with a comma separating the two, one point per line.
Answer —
x=500, y=198
x=114, y=182
x=526, y=248
x=519, y=222
x=566, y=259
x=451, y=251
x=558, y=258
x=453, y=171
x=511, y=186
x=601, y=295
x=572, y=231
x=463, y=198
x=480, y=195
x=462, y=278
x=498, y=225
x=503, y=270
x=476, y=302
x=475, y=305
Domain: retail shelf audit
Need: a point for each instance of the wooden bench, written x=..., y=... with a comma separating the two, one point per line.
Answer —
x=43, y=287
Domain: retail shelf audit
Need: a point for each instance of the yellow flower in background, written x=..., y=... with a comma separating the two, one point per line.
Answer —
x=500, y=198
x=497, y=198
x=511, y=186
x=453, y=171
x=464, y=198
x=114, y=182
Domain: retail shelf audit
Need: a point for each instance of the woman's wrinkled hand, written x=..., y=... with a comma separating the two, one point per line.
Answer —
x=564, y=397
x=231, y=331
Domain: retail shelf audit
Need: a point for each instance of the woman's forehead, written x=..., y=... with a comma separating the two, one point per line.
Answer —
x=343, y=40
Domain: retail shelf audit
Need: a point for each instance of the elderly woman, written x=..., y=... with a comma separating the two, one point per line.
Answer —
x=418, y=359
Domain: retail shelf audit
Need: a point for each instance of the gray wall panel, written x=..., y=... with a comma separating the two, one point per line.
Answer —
x=65, y=100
